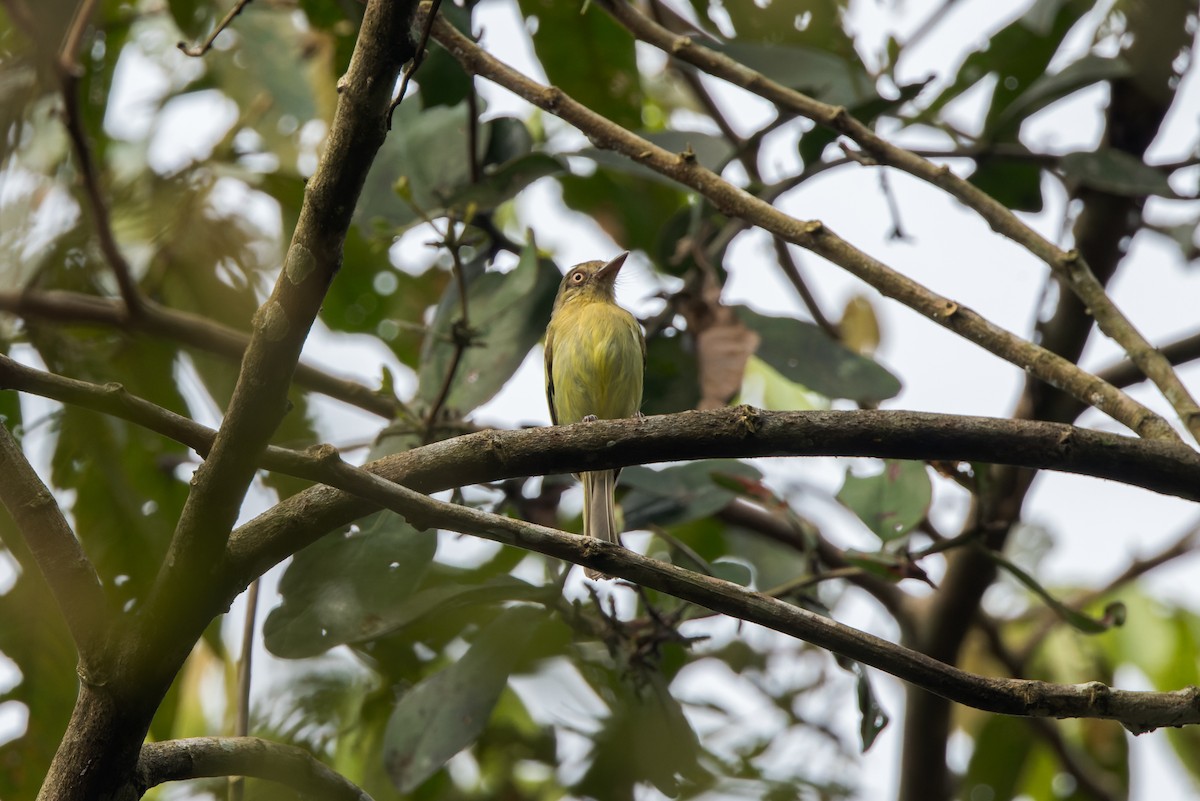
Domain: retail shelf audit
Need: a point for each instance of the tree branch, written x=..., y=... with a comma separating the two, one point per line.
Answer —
x=811, y=235
x=1137, y=711
x=189, y=329
x=1068, y=265
x=201, y=757
x=58, y=555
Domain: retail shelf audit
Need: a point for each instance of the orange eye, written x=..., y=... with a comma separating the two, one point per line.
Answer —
x=577, y=278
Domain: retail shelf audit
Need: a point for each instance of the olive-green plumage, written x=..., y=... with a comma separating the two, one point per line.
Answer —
x=595, y=360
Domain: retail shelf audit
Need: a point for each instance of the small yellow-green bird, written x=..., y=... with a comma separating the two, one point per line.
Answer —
x=595, y=360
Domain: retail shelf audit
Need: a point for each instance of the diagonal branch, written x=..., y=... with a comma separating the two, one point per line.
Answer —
x=58, y=555
x=280, y=328
x=1067, y=265
x=1137, y=711
x=811, y=235
x=203, y=757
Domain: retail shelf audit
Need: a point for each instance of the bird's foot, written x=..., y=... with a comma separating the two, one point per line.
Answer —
x=589, y=418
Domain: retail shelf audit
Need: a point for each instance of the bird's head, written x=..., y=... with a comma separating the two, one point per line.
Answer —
x=590, y=282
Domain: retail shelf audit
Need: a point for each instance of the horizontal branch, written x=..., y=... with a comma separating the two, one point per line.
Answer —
x=57, y=553
x=1137, y=711
x=192, y=330
x=812, y=235
x=1069, y=266
x=206, y=757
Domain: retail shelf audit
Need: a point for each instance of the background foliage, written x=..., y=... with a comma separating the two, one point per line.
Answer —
x=403, y=649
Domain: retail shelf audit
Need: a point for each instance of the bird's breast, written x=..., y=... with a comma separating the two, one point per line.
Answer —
x=597, y=363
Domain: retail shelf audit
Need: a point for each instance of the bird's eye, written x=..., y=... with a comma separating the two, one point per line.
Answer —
x=577, y=278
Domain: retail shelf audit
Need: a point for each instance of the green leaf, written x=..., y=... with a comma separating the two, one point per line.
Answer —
x=589, y=56
x=805, y=354
x=448, y=711
x=507, y=312
x=873, y=718
x=735, y=572
x=441, y=79
x=680, y=493
x=1047, y=89
x=628, y=208
x=1116, y=172
x=892, y=502
x=764, y=387
x=338, y=589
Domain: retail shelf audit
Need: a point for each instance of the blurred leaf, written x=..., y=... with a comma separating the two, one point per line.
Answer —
x=887, y=565
x=805, y=354
x=629, y=209
x=996, y=767
x=859, y=327
x=1017, y=55
x=589, y=56
x=764, y=387
x=441, y=79
x=646, y=738
x=873, y=719
x=680, y=493
x=735, y=572
x=1116, y=172
x=827, y=77
x=508, y=313
x=444, y=598
x=447, y=711
x=1047, y=89
x=892, y=502
x=340, y=588
x=1015, y=184
x=672, y=384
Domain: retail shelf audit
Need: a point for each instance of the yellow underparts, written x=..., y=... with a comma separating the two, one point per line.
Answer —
x=597, y=362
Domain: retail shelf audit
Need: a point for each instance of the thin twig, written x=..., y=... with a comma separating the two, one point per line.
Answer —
x=812, y=235
x=460, y=330
x=241, y=727
x=207, y=44
x=70, y=72
x=417, y=59
x=791, y=269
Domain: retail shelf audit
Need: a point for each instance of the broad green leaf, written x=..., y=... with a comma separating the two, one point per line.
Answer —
x=672, y=384
x=805, y=354
x=735, y=572
x=589, y=56
x=1116, y=172
x=678, y=494
x=507, y=314
x=338, y=589
x=890, y=503
x=447, y=711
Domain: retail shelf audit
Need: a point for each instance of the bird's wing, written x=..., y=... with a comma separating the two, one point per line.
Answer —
x=549, y=348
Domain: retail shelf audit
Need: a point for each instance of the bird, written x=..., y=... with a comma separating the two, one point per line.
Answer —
x=595, y=364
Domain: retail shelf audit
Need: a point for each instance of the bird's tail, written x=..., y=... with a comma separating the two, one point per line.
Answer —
x=599, y=509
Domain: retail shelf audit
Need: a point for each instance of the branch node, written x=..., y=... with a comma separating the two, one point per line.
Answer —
x=814, y=228
x=748, y=422
x=325, y=453
x=688, y=156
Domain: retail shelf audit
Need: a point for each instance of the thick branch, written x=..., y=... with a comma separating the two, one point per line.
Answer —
x=811, y=235
x=189, y=329
x=201, y=757
x=1137, y=711
x=1068, y=265
x=58, y=554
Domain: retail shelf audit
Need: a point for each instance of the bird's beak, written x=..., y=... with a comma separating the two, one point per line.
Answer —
x=608, y=273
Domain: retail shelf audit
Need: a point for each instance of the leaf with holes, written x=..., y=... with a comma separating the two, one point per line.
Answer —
x=891, y=503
